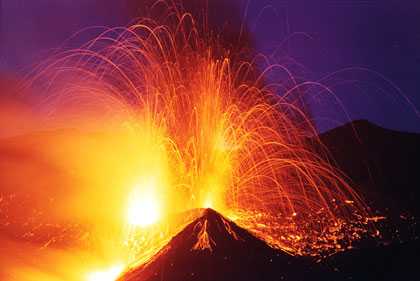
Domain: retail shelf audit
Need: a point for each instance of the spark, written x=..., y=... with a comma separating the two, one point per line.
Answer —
x=210, y=135
x=204, y=131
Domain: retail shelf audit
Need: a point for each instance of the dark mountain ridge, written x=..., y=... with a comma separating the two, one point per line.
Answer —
x=383, y=164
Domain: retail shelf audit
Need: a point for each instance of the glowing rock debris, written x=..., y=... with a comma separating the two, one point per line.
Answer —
x=201, y=129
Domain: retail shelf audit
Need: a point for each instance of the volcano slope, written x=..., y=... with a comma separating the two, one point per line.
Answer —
x=214, y=248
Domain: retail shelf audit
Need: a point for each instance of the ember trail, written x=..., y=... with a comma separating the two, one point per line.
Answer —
x=206, y=131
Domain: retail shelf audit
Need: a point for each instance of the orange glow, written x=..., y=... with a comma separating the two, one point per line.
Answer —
x=204, y=241
x=143, y=207
x=185, y=123
x=110, y=274
x=208, y=203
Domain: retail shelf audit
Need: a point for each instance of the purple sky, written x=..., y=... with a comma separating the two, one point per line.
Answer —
x=382, y=36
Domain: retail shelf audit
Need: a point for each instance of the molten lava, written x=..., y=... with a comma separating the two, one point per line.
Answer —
x=200, y=129
x=110, y=274
x=143, y=207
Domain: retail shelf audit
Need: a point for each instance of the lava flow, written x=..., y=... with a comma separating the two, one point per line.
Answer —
x=193, y=126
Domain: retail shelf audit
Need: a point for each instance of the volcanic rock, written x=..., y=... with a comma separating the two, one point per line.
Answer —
x=214, y=248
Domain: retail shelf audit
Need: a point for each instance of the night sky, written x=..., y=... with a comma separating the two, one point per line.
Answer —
x=323, y=36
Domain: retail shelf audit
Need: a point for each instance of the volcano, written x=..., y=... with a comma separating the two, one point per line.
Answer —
x=382, y=165
x=214, y=248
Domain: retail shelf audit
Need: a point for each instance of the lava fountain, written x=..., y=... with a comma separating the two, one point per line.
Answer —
x=205, y=131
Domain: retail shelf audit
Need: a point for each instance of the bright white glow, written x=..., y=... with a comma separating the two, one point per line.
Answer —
x=208, y=203
x=143, y=207
x=110, y=274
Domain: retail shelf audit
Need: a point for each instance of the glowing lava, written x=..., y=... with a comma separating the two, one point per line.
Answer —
x=204, y=131
x=109, y=274
x=208, y=203
x=207, y=132
x=143, y=206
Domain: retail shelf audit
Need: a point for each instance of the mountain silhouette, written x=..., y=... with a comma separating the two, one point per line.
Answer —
x=214, y=248
x=381, y=163
x=383, y=167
